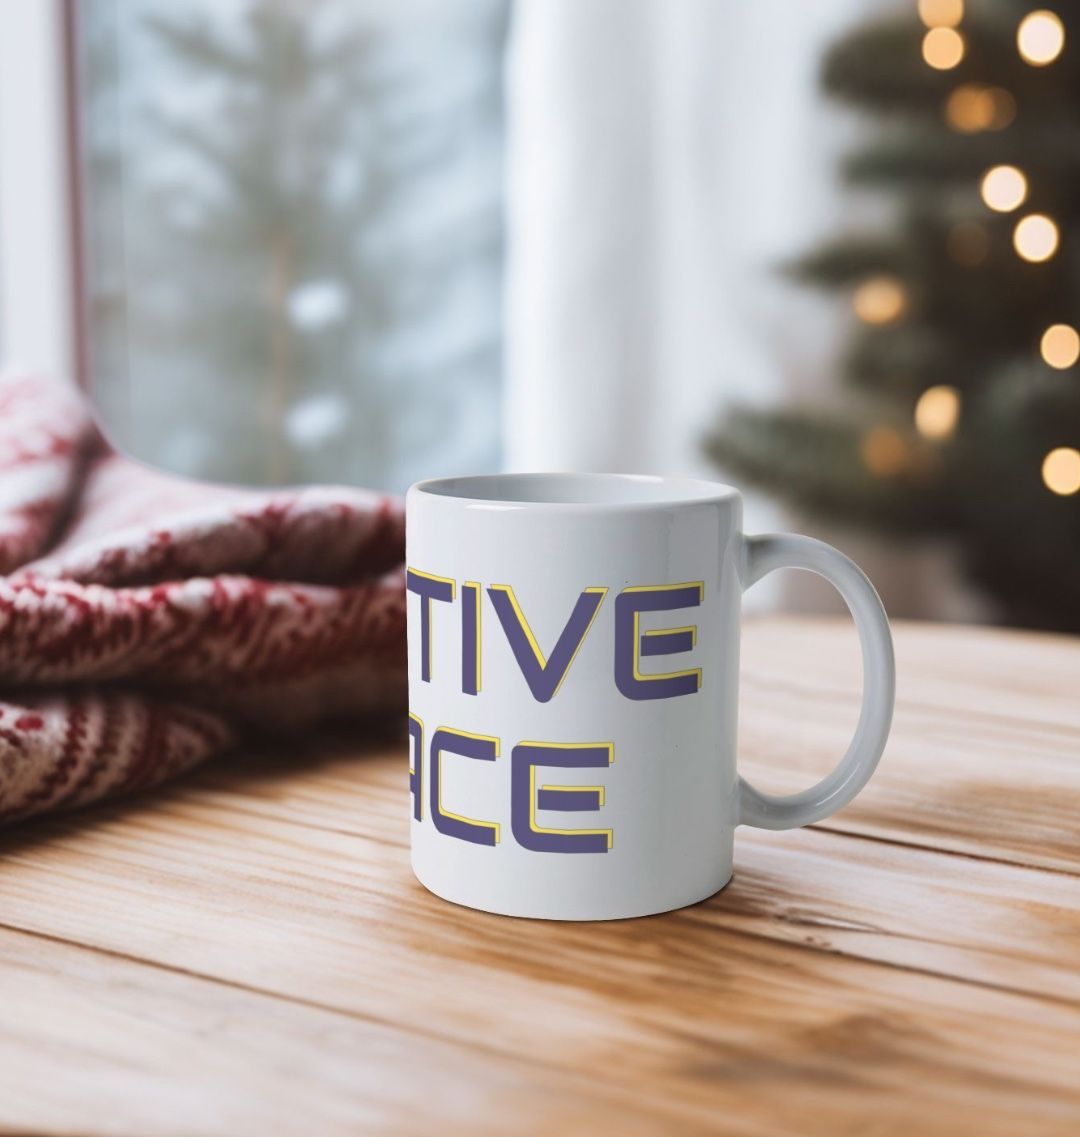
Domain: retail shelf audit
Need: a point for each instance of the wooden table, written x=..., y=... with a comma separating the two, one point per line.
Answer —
x=246, y=951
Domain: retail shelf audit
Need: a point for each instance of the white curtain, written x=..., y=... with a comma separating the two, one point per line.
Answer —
x=665, y=157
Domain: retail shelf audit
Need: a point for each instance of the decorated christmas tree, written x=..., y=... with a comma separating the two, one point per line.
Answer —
x=959, y=414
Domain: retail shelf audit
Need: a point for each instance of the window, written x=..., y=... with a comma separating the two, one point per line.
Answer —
x=292, y=233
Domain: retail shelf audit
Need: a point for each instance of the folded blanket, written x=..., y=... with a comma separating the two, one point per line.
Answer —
x=147, y=622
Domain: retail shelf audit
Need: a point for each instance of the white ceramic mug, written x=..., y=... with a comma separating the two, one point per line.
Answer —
x=573, y=686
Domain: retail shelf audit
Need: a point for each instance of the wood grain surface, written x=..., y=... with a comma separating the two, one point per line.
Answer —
x=246, y=951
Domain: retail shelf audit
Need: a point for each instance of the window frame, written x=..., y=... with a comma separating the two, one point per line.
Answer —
x=40, y=256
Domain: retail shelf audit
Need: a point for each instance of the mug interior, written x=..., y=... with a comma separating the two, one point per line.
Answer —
x=575, y=489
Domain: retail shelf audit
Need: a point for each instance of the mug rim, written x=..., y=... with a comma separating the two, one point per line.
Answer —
x=604, y=492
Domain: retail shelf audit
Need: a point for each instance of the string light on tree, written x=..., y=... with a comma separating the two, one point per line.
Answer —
x=880, y=300
x=943, y=48
x=1061, y=471
x=937, y=412
x=1003, y=188
x=941, y=13
x=975, y=107
x=968, y=243
x=1035, y=237
x=884, y=451
x=1040, y=37
x=1060, y=346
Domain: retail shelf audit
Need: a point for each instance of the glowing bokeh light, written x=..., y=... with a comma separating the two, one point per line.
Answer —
x=974, y=107
x=1040, y=37
x=941, y=13
x=883, y=451
x=942, y=48
x=1060, y=346
x=1061, y=471
x=879, y=300
x=937, y=412
x=1035, y=237
x=1003, y=188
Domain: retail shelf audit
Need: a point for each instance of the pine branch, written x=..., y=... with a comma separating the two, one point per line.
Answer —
x=1000, y=304
x=926, y=158
x=1020, y=541
x=847, y=260
x=879, y=66
x=815, y=462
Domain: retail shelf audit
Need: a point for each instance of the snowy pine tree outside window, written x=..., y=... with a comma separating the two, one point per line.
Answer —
x=292, y=227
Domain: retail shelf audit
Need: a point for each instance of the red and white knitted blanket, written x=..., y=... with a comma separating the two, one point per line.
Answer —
x=147, y=623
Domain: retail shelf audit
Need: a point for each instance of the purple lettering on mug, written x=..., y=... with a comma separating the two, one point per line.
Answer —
x=544, y=675
x=525, y=798
x=631, y=644
x=416, y=760
x=483, y=748
x=471, y=638
x=668, y=641
x=428, y=587
x=569, y=798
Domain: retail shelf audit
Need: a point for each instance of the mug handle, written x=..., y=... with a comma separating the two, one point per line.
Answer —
x=764, y=554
